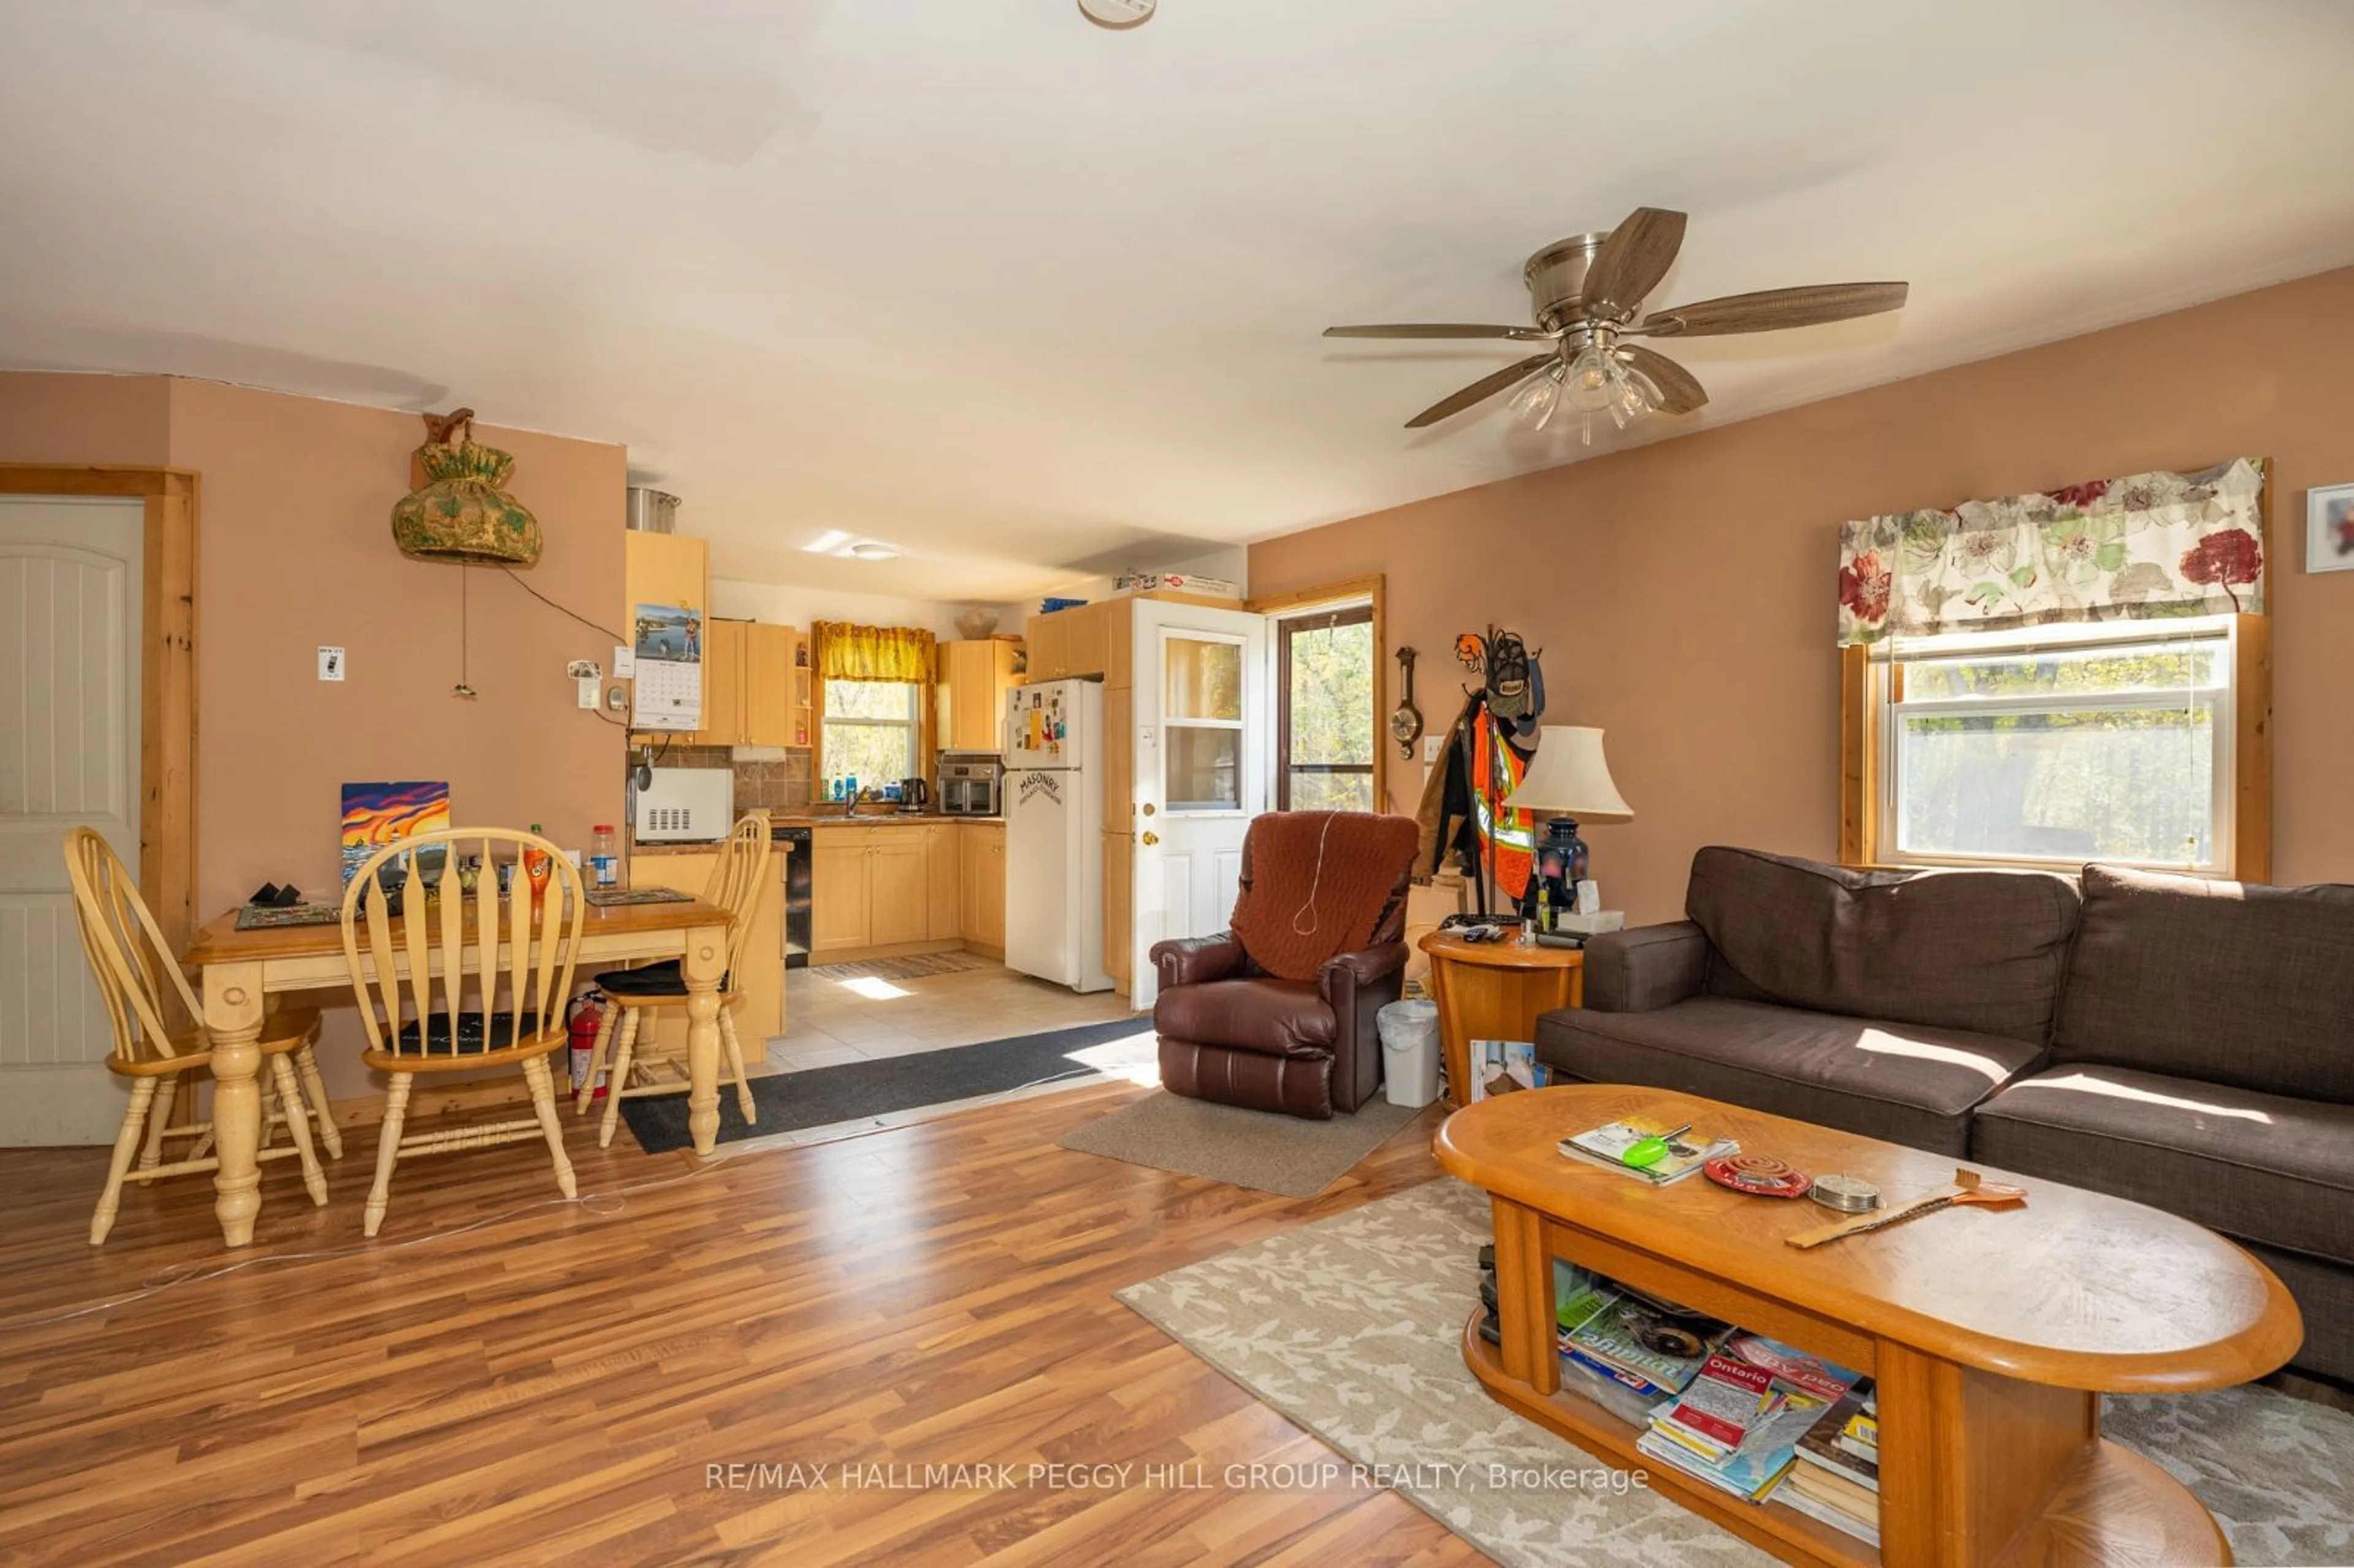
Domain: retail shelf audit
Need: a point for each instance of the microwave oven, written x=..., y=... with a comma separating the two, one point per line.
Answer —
x=685, y=805
x=969, y=786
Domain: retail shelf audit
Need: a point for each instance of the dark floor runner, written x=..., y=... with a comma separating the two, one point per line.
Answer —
x=821, y=1095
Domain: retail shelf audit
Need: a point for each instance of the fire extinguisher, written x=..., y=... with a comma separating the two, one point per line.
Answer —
x=586, y=1017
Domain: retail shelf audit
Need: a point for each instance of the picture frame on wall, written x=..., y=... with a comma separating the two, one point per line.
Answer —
x=2329, y=528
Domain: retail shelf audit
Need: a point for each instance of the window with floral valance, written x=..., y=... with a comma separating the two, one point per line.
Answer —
x=2147, y=546
x=2050, y=679
x=847, y=652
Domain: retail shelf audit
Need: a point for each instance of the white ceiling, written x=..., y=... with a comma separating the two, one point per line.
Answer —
x=1028, y=298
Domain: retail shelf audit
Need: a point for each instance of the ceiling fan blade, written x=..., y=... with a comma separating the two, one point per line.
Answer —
x=1445, y=329
x=1480, y=391
x=1632, y=260
x=1680, y=393
x=1770, y=310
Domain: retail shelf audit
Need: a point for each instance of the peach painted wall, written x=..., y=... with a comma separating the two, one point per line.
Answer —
x=1698, y=629
x=294, y=551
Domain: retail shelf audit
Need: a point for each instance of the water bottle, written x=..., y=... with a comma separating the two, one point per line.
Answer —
x=604, y=855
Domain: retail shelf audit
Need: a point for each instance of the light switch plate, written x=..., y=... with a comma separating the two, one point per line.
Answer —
x=331, y=663
x=1430, y=744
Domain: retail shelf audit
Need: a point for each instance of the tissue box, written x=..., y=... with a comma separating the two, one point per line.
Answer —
x=1593, y=925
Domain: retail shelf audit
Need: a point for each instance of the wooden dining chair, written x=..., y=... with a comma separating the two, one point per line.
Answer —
x=131, y=959
x=462, y=983
x=633, y=994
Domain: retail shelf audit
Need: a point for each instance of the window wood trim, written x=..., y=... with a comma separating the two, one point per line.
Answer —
x=167, y=677
x=1861, y=830
x=1371, y=589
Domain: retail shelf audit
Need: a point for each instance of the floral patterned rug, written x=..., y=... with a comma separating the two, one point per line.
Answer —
x=1353, y=1326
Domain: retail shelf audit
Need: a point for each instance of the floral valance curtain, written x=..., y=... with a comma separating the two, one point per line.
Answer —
x=2142, y=547
x=846, y=653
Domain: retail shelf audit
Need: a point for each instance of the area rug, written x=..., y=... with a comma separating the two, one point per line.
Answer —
x=822, y=1097
x=1353, y=1328
x=918, y=966
x=1281, y=1154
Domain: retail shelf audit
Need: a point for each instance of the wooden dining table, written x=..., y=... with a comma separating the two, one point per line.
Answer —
x=239, y=970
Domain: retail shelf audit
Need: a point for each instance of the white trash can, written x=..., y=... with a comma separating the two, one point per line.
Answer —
x=1409, y=1052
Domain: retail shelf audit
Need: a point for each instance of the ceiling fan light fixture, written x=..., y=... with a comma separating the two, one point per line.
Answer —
x=1534, y=404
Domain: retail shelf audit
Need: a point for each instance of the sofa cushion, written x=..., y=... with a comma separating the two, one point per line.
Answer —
x=1978, y=950
x=1906, y=1083
x=1272, y=1017
x=2260, y=1167
x=2231, y=982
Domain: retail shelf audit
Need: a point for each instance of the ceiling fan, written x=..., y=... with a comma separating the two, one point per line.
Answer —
x=1586, y=292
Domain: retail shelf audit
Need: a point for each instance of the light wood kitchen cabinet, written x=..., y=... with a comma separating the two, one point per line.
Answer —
x=1118, y=758
x=749, y=685
x=722, y=685
x=898, y=888
x=1118, y=900
x=945, y=867
x=983, y=878
x=1048, y=639
x=668, y=569
x=770, y=703
x=840, y=902
x=1091, y=640
x=974, y=678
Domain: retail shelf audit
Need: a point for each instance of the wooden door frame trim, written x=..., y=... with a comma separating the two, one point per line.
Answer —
x=1370, y=589
x=167, y=675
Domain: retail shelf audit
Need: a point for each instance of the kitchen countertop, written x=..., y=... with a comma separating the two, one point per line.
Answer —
x=875, y=818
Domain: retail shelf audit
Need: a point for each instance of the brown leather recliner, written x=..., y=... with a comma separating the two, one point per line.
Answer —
x=1233, y=1033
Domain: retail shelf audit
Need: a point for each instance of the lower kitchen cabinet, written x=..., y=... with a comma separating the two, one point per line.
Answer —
x=760, y=974
x=877, y=885
x=945, y=867
x=982, y=854
x=898, y=888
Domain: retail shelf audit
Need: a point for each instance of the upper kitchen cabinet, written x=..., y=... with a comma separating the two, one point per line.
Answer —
x=1091, y=640
x=667, y=569
x=974, y=678
x=752, y=685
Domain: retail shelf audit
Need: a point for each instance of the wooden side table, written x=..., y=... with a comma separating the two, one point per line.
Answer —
x=1494, y=991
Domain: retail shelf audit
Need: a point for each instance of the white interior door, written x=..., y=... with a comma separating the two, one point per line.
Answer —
x=1201, y=769
x=70, y=573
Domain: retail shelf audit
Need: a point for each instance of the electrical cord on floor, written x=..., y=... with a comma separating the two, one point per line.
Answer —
x=604, y=1204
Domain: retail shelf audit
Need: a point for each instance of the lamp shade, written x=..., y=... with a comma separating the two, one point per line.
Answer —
x=1570, y=778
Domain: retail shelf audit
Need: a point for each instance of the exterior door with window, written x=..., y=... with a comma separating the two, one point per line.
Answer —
x=1325, y=724
x=1201, y=737
x=70, y=581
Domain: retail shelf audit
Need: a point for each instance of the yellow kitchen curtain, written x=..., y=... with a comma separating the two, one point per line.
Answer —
x=847, y=652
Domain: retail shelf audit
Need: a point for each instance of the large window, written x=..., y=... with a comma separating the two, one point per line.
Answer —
x=1325, y=733
x=2059, y=746
x=871, y=730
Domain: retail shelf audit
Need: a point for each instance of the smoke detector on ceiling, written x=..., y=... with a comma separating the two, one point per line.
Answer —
x=1117, y=13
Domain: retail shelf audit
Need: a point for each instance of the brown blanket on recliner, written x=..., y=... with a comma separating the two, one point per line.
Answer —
x=1319, y=883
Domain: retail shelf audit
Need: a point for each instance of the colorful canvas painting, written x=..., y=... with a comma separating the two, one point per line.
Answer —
x=377, y=814
x=2329, y=528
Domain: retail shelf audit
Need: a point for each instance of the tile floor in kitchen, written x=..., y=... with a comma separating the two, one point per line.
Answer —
x=832, y=1022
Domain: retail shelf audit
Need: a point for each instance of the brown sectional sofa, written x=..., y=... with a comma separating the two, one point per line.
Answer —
x=2183, y=1043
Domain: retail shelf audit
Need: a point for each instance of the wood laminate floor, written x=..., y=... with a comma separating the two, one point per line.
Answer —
x=556, y=1385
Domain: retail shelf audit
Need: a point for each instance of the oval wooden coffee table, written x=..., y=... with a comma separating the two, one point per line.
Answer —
x=1991, y=1332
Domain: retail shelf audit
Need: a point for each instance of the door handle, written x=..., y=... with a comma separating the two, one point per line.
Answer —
x=1151, y=839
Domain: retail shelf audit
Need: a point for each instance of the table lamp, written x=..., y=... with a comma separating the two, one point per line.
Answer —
x=1569, y=781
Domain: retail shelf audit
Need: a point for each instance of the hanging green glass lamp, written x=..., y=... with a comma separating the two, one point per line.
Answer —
x=462, y=511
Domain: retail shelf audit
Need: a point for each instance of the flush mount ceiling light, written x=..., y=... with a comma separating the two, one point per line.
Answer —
x=828, y=542
x=1587, y=294
x=872, y=550
x=1117, y=13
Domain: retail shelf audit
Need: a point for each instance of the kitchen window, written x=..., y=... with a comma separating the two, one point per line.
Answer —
x=872, y=730
x=1325, y=721
x=2052, y=747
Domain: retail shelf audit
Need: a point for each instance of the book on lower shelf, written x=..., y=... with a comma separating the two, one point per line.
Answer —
x=1836, y=1478
x=1739, y=1425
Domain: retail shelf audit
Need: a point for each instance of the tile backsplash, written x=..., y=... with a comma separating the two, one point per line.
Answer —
x=774, y=782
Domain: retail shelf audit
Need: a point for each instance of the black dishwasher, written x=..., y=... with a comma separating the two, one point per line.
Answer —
x=797, y=894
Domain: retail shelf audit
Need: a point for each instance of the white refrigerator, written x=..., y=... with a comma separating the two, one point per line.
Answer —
x=1054, y=833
